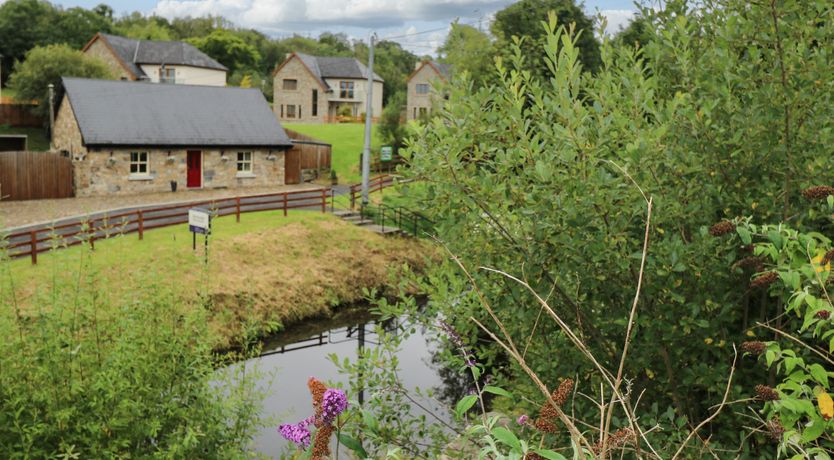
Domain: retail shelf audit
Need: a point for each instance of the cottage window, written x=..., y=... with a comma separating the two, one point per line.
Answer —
x=315, y=102
x=422, y=88
x=424, y=112
x=244, y=162
x=290, y=85
x=167, y=75
x=291, y=111
x=346, y=89
x=139, y=163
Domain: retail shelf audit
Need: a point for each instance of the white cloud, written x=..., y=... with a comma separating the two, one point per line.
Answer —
x=302, y=15
x=617, y=19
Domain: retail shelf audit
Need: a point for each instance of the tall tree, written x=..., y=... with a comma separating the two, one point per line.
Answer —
x=23, y=25
x=46, y=65
x=76, y=26
x=469, y=50
x=524, y=20
x=229, y=49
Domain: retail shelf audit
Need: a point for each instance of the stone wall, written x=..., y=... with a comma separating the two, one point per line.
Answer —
x=302, y=96
x=100, y=50
x=67, y=136
x=104, y=171
x=425, y=76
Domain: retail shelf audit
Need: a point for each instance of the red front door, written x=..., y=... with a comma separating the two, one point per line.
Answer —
x=195, y=168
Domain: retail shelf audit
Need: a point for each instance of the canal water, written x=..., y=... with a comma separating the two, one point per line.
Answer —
x=292, y=356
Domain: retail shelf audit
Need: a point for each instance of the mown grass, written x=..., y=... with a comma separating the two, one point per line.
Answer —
x=37, y=139
x=266, y=271
x=348, y=140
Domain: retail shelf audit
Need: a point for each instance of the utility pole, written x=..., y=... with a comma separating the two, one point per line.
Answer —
x=51, y=114
x=366, y=153
x=1, y=78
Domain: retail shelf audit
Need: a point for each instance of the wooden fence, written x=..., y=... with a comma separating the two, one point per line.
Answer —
x=35, y=176
x=313, y=155
x=375, y=184
x=19, y=115
x=30, y=243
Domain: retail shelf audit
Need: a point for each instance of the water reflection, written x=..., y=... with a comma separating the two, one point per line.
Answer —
x=302, y=351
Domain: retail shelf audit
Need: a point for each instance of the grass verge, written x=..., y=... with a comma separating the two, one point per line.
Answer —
x=37, y=140
x=348, y=140
x=264, y=272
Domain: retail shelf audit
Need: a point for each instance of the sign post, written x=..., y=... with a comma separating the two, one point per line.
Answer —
x=199, y=221
x=387, y=153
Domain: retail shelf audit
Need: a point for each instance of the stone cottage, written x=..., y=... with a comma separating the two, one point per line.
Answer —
x=156, y=61
x=132, y=137
x=314, y=89
x=422, y=96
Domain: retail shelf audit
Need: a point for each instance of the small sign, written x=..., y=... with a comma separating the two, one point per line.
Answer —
x=199, y=220
x=387, y=153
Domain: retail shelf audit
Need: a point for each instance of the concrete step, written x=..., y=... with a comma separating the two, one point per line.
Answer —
x=345, y=213
x=353, y=219
x=388, y=230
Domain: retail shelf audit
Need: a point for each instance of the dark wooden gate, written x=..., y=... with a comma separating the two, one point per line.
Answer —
x=34, y=176
x=292, y=166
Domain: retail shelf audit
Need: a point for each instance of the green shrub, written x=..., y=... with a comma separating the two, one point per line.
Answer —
x=87, y=377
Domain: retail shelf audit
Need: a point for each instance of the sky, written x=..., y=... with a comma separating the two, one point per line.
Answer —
x=420, y=25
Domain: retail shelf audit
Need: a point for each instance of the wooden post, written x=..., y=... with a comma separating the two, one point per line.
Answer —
x=34, y=246
x=141, y=224
x=285, y=204
x=237, y=208
x=323, y=201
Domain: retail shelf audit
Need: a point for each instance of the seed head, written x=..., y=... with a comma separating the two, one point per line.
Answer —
x=533, y=456
x=754, y=348
x=823, y=314
x=722, y=228
x=764, y=280
x=775, y=430
x=548, y=413
x=752, y=262
x=827, y=258
x=819, y=192
x=766, y=393
x=321, y=446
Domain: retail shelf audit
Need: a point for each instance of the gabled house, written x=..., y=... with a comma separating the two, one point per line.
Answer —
x=142, y=137
x=313, y=89
x=422, y=96
x=156, y=61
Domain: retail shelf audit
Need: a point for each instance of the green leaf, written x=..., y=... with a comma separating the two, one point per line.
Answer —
x=353, y=445
x=814, y=430
x=465, y=404
x=549, y=454
x=497, y=391
x=507, y=437
x=369, y=420
x=819, y=374
x=744, y=234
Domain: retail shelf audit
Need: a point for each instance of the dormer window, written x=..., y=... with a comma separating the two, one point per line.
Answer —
x=422, y=88
x=167, y=75
x=346, y=89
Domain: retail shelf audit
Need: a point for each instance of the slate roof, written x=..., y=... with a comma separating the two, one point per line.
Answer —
x=133, y=52
x=126, y=113
x=445, y=70
x=336, y=67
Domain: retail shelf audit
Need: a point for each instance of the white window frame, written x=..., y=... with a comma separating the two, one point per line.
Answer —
x=422, y=88
x=346, y=89
x=136, y=162
x=168, y=75
x=245, y=163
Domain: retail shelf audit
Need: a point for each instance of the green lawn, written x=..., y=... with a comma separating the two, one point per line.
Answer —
x=347, y=139
x=37, y=140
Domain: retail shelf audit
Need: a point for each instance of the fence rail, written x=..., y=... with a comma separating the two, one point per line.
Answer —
x=400, y=217
x=30, y=243
x=375, y=184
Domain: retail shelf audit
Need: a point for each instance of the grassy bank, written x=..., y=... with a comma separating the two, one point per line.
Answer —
x=263, y=272
x=348, y=140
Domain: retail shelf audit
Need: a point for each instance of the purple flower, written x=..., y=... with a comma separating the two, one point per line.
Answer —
x=468, y=357
x=297, y=433
x=522, y=419
x=334, y=403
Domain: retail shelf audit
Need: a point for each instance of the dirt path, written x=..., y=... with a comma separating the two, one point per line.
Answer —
x=17, y=213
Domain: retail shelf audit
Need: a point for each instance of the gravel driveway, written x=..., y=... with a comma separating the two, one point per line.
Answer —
x=17, y=213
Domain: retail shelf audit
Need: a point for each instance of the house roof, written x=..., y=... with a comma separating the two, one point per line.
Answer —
x=134, y=52
x=111, y=112
x=333, y=67
x=444, y=70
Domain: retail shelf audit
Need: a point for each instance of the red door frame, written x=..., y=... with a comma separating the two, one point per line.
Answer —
x=194, y=171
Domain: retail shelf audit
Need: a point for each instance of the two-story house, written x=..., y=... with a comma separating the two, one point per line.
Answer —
x=314, y=89
x=422, y=96
x=156, y=61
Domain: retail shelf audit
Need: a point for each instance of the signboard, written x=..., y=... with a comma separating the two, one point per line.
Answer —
x=199, y=220
x=387, y=153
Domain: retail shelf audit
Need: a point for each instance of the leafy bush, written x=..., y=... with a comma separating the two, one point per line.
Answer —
x=86, y=377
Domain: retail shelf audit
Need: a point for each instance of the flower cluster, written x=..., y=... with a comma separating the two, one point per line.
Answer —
x=617, y=440
x=754, y=348
x=766, y=393
x=764, y=280
x=722, y=228
x=548, y=413
x=457, y=341
x=297, y=433
x=328, y=403
x=819, y=192
x=775, y=430
x=753, y=262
